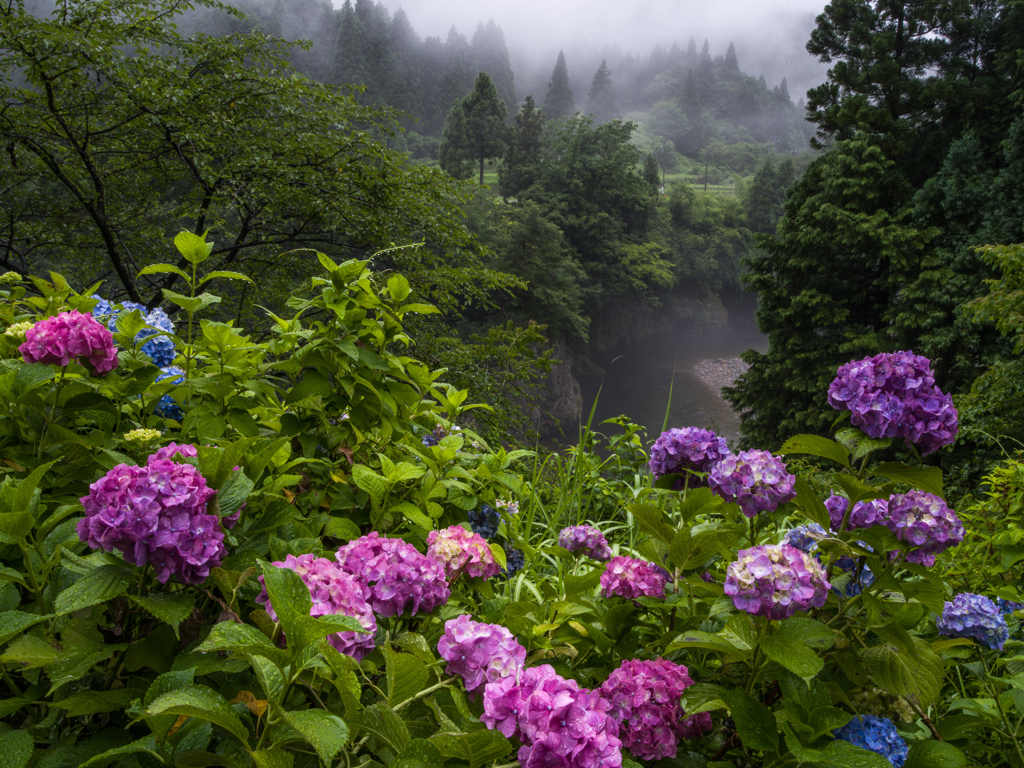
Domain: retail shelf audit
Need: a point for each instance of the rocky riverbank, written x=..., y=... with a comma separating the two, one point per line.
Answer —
x=719, y=372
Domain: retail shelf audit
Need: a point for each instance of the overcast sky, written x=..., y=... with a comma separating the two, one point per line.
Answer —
x=763, y=30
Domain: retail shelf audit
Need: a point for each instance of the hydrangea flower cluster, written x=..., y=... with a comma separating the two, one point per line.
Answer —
x=70, y=336
x=484, y=521
x=756, y=480
x=859, y=579
x=168, y=407
x=18, y=331
x=644, y=698
x=460, y=551
x=630, y=578
x=775, y=580
x=334, y=593
x=159, y=349
x=875, y=701
x=514, y=561
x=690, y=448
x=586, y=539
x=397, y=576
x=877, y=734
x=924, y=520
x=805, y=537
x=510, y=507
x=189, y=451
x=480, y=653
x=864, y=515
x=558, y=723
x=971, y=615
x=143, y=436
x=1008, y=606
x=894, y=395
x=155, y=514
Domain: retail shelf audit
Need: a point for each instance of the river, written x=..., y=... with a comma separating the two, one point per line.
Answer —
x=638, y=376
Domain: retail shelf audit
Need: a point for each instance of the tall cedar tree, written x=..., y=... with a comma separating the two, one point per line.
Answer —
x=491, y=56
x=479, y=132
x=601, y=99
x=559, y=101
x=521, y=167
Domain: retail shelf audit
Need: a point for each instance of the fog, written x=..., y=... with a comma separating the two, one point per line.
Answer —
x=769, y=36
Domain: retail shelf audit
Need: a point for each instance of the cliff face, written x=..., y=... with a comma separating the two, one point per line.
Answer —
x=560, y=400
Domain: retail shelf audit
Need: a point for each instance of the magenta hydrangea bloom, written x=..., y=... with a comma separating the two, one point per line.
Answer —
x=586, y=539
x=644, y=698
x=775, y=580
x=189, y=451
x=558, y=723
x=70, y=336
x=864, y=515
x=480, y=653
x=334, y=593
x=461, y=551
x=894, y=395
x=690, y=448
x=970, y=615
x=756, y=480
x=155, y=514
x=924, y=520
x=399, y=577
x=630, y=578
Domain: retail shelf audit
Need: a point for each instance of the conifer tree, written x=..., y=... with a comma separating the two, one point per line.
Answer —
x=491, y=56
x=521, y=167
x=559, y=101
x=731, y=64
x=475, y=129
x=601, y=99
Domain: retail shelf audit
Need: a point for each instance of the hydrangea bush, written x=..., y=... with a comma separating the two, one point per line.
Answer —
x=282, y=572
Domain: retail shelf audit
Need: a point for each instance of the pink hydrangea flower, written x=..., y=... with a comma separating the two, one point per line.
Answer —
x=70, y=336
x=644, y=698
x=399, y=577
x=775, y=580
x=479, y=653
x=558, y=723
x=155, y=514
x=462, y=551
x=334, y=593
x=924, y=520
x=631, y=578
x=756, y=480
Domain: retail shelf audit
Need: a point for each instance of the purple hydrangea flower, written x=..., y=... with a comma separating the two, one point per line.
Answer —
x=644, y=698
x=690, y=448
x=460, y=551
x=480, y=653
x=877, y=734
x=399, y=577
x=924, y=520
x=171, y=450
x=586, y=539
x=167, y=406
x=155, y=514
x=1008, y=606
x=864, y=515
x=515, y=560
x=755, y=480
x=894, y=395
x=70, y=336
x=971, y=615
x=558, y=723
x=805, y=537
x=334, y=593
x=630, y=578
x=775, y=580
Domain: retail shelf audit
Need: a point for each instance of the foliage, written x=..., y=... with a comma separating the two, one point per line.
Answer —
x=477, y=129
x=329, y=432
x=559, y=101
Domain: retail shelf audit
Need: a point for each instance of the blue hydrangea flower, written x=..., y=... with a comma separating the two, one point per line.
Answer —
x=860, y=581
x=1008, y=606
x=804, y=537
x=515, y=560
x=160, y=349
x=167, y=407
x=971, y=615
x=877, y=734
x=484, y=521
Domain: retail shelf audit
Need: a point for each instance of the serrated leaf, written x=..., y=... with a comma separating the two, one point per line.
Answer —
x=155, y=269
x=226, y=275
x=935, y=754
x=816, y=446
x=326, y=732
x=927, y=479
x=843, y=754
x=98, y=586
x=275, y=757
x=398, y=287
x=202, y=702
x=652, y=520
x=193, y=248
x=234, y=493
x=30, y=652
x=809, y=502
x=858, y=442
x=241, y=638
x=755, y=724
x=145, y=745
x=16, y=749
x=418, y=753
x=368, y=480
x=172, y=609
x=406, y=676
x=312, y=384
x=269, y=675
x=477, y=748
x=94, y=702
x=792, y=654
x=15, y=622
x=380, y=720
x=903, y=675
